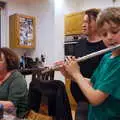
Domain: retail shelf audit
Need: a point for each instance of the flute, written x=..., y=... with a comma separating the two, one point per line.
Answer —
x=86, y=57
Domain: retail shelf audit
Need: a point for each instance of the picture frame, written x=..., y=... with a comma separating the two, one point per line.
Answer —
x=22, y=31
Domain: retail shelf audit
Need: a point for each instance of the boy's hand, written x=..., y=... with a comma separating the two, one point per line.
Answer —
x=72, y=68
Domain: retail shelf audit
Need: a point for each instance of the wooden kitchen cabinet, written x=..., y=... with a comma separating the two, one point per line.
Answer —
x=73, y=23
x=21, y=31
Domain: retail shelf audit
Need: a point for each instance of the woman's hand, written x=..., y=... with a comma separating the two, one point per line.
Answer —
x=62, y=69
x=7, y=104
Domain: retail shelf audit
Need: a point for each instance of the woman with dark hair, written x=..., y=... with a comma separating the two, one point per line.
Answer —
x=13, y=87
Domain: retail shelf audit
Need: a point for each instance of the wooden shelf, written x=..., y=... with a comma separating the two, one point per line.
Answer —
x=22, y=31
x=73, y=23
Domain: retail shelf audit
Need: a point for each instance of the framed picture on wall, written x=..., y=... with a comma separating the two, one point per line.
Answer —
x=24, y=29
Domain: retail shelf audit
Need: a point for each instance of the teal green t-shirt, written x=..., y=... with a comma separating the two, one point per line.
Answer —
x=106, y=78
x=14, y=89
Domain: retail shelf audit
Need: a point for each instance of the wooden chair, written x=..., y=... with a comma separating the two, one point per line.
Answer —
x=73, y=103
x=37, y=116
x=58, y=103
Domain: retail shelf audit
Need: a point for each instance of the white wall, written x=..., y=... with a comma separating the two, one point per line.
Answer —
x=12, y=6
x=61, y=8
x=97, y=4
x=44, y=12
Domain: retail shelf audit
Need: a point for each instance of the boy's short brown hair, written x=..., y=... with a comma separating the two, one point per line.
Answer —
x=111, y=14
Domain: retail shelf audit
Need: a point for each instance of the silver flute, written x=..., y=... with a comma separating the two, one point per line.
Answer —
x=86, y=57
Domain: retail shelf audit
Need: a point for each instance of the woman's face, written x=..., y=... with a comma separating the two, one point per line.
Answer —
x=89, y=25
x=85, y=25
x=2, y=63
x=110, y=33
x=92, y=25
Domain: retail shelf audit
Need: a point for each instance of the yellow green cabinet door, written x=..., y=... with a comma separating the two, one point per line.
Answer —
x=73, y=23
x=21, y=31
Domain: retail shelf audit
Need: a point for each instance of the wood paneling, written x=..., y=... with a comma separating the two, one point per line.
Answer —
x=73, y=23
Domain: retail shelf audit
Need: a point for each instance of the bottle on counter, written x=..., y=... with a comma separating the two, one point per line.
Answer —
x=43, y=59
x=22, y=62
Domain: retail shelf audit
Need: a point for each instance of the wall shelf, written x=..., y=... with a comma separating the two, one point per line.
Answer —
x=22, y=31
